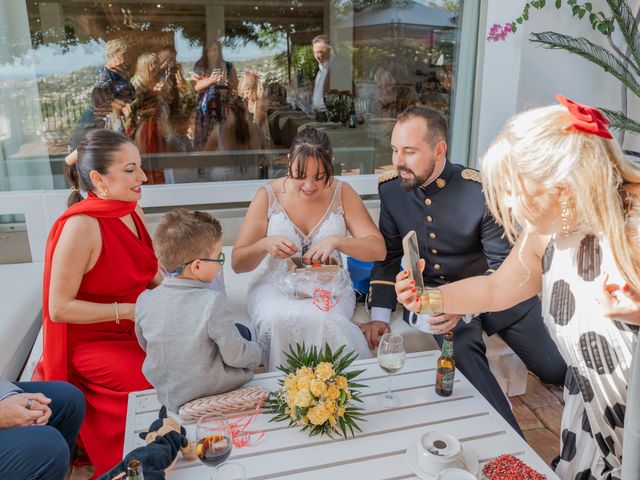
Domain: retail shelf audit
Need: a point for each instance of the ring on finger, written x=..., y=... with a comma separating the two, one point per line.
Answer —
x=28, y=405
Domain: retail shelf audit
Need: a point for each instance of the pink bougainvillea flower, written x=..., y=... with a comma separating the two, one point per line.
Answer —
x=499, y=33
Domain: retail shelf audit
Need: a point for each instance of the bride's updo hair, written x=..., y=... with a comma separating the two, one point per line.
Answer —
x=311, y=143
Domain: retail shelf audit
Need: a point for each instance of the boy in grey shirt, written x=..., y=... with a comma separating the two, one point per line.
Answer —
x=193, y=347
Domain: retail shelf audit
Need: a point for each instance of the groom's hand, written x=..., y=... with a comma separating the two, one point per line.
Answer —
x=372, y=332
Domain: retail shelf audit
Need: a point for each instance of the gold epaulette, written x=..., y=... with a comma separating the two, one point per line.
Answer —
x=387, y=176
x=471, y=174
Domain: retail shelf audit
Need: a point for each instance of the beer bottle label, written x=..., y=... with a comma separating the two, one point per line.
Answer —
x=447, y=349
x=447, y=381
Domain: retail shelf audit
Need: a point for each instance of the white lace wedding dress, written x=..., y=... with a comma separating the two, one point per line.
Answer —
x=283, y=319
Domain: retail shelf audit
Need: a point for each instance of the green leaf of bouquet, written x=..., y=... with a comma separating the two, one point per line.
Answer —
x=353, y=374
x=353, y=385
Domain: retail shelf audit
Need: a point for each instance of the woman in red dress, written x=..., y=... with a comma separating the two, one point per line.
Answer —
x=98, y=259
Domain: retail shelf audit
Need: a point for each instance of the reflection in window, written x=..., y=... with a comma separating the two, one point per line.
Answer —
x=213, y=91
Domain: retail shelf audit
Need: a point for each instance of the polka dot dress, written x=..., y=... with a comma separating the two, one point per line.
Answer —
x=597, y=351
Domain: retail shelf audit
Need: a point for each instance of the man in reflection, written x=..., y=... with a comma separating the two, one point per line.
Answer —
x=322, y=53
x=325, y=81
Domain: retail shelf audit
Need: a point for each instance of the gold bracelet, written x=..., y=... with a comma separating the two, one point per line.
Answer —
x=115, y=309
x=431, y=302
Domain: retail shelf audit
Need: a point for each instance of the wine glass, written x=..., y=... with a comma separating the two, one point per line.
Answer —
x=213, y=447
x=391, y=355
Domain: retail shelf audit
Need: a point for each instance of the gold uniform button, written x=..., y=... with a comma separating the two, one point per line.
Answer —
x=434, y=251
x=427, y=201
x=437, y=266
x=432, y=236
x=429, y=218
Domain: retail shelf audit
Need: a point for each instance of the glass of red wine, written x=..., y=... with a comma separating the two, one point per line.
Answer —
x=213, y=447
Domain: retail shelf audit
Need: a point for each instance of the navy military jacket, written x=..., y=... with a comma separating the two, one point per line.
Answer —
x=457, y=235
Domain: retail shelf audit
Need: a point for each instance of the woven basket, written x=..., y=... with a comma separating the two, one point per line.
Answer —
x=236, y=401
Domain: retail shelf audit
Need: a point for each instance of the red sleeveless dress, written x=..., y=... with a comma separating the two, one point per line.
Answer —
x=103, y=359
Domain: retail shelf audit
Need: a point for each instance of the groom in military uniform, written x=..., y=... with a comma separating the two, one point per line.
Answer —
x=458, y=238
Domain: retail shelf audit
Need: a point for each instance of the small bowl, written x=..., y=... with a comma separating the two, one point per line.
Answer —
x=438, y=451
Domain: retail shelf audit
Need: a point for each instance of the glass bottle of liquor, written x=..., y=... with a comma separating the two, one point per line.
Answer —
x=134, y=470
x=353, y=118
x=446, y=367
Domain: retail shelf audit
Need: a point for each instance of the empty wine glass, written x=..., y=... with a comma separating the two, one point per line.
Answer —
x=391, y=355
x=213, y=447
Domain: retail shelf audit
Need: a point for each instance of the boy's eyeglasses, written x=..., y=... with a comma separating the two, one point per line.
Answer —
x=180, y=269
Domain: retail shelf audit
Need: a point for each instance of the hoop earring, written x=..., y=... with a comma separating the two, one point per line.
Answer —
x=565, y=215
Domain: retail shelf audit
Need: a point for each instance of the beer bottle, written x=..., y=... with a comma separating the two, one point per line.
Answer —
x=134, y=470
x=446, y=367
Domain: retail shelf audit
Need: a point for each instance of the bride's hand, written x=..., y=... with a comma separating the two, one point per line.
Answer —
x=321, y=251
x=279, y=247
x=406, y=290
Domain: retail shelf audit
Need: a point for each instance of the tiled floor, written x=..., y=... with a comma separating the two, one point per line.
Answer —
x=538, y=412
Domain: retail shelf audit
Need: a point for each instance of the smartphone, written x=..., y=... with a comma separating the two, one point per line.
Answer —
x=411, y=259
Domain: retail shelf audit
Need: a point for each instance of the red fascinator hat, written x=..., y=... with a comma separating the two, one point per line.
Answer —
x=586, y=119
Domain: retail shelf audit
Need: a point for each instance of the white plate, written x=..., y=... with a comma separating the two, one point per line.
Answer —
x=469, y=462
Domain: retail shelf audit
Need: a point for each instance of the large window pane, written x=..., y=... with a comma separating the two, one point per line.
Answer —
x=214, y=90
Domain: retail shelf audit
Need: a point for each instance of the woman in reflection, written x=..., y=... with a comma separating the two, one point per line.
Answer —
x=214, y=78
x=250, y=89
x=171, y=75
x=146, y=109
x=307, y=214
x=237, y=133
x=98, y=259
x=561, y=187
x=113, y=92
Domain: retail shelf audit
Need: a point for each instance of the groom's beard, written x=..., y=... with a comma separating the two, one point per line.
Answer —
x=408, y=184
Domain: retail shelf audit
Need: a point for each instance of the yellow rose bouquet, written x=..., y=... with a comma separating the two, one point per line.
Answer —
x=317, y=392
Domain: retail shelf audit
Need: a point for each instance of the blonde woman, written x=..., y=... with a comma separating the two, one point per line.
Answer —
x=558, y=184
x=251, y=91
x=147, y=108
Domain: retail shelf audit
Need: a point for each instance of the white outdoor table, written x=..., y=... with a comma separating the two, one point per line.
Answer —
x=376, y=453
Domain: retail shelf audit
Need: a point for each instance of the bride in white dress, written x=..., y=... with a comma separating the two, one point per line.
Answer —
x=309, y=214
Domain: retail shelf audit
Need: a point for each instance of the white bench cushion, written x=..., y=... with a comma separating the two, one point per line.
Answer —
x=26, y=292
x=20, y=319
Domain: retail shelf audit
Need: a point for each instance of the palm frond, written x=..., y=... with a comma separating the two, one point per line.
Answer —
x=628, y=26
x=619, y=121
x=589, y=51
